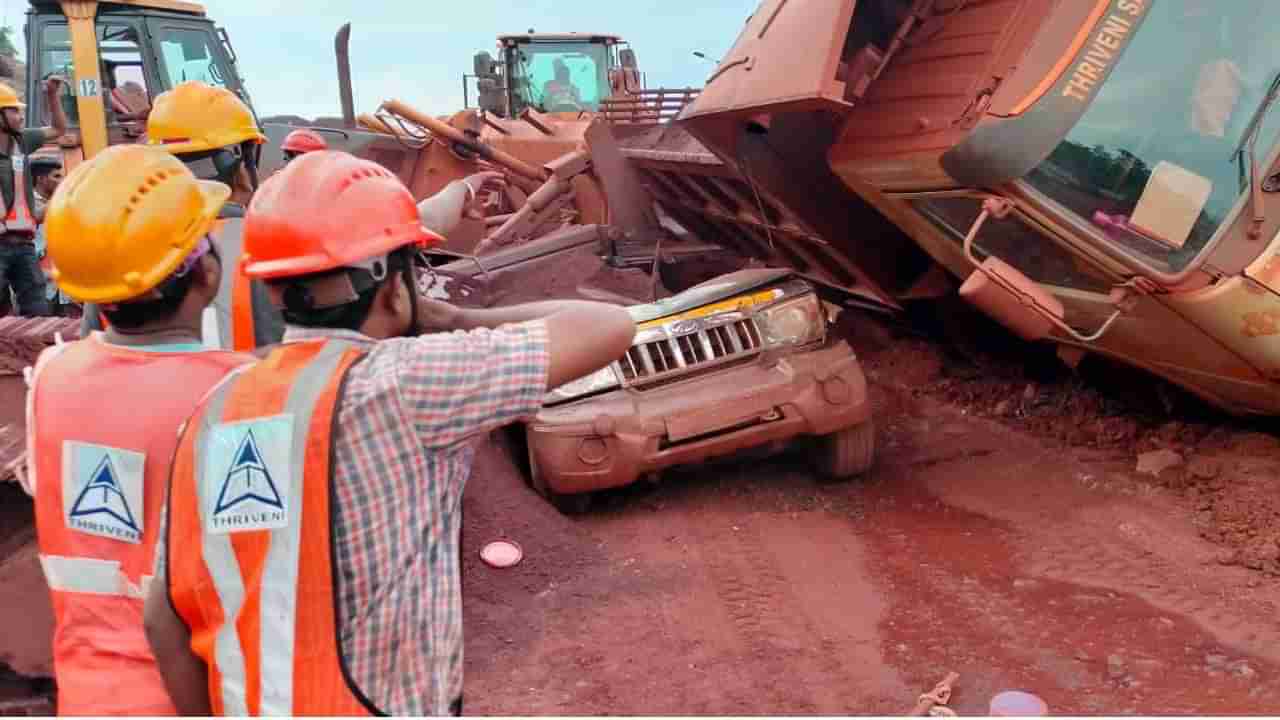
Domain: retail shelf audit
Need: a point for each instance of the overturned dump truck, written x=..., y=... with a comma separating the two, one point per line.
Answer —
x=1077, y=179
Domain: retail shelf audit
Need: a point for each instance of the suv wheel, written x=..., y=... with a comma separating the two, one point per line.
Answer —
x=848, y=452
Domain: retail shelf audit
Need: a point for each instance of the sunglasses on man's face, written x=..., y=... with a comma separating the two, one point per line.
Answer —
x=290, y=155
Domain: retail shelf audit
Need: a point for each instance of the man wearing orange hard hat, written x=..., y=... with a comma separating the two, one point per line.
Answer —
x=19, y=266
x=214, y=133
x=301, y=141
x=129, y=230
x=316, y=495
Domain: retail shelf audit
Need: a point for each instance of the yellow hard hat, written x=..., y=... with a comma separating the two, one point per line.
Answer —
x=123, y=221
x=194, y=117
x=9, y=98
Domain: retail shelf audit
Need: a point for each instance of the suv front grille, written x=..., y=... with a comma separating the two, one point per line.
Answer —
x=681, y=353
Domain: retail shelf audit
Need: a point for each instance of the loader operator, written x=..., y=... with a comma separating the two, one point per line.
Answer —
x=19, y=268
x=130, y=231
x=559, y=93
x=214, y=133
x=321, y=575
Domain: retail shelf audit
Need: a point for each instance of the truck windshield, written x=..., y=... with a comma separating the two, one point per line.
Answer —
x=1152, y=163
x=559, y=76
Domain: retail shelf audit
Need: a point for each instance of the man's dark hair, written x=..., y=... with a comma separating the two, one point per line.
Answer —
x=173, y=291
x=134, y=315
x=227, y=160
x=350, y=316
x=41, y=167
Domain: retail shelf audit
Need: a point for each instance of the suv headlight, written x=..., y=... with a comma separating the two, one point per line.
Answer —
x=603, y=379
x=794, y=322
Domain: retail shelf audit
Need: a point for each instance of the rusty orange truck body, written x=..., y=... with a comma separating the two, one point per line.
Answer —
x=1087, y=186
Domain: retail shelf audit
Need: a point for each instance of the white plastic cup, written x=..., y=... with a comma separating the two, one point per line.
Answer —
x=1015, y=703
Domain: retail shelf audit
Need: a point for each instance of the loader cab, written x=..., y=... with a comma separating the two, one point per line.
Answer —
x=143, y=48
x=561, y=72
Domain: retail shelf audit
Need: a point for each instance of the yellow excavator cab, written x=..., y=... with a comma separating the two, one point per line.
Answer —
x=112, y=78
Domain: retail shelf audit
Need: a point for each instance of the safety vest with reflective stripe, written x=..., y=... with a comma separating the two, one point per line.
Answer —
x=18, y=217
x=102, y=428
x=241, y=317
x=251, y=488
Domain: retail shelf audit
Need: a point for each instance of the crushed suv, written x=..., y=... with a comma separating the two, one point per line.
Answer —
x=742, y=361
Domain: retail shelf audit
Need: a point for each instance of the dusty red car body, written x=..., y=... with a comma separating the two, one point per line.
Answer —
x=745, y=393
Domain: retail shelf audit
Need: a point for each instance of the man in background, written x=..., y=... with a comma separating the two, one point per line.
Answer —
x=46, y=173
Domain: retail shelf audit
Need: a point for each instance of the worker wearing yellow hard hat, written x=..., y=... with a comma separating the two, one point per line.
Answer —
x=19, y=266
x=130, y=230
x=214, y=133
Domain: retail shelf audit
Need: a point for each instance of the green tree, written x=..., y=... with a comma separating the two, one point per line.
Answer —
x=7, y=47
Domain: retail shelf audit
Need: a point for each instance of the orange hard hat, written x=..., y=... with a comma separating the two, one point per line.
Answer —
x=124, y=220
x=326, y=210
x=9, y=98
x=197, y=117
x=303, y=140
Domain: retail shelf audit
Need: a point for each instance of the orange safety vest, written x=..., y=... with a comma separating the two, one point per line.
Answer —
x=250, y=490
x=19, y=217
x=99, y=461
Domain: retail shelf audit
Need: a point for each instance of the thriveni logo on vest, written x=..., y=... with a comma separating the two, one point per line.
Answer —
x=248, y=471
x=102, y=490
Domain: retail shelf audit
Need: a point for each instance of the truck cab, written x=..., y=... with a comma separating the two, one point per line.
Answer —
x=1100, y=174
x=554, y=72
x=117, y=57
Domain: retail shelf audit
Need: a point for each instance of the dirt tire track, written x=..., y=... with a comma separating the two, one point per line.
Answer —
x=1107, y=565
x=752, y=590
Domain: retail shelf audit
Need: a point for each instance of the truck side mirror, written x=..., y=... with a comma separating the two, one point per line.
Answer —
x=627, y=57
x=483, y=63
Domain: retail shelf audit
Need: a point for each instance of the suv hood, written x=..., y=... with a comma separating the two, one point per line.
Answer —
x=721, y=288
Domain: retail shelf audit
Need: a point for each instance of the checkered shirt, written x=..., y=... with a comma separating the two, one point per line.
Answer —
x=407, y=419
x=402, y=455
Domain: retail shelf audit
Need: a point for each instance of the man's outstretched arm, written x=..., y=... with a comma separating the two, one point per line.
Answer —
x=583, y=336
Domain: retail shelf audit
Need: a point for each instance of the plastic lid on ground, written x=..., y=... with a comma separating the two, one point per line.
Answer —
x=502, y=553
x=1015, y=703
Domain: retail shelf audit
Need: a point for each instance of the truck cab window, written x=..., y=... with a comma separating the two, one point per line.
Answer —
x=189, y=54
x=559, y=77
x=1170, y=122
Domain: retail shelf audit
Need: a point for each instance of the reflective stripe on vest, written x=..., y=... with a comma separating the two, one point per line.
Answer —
x=91, y=576
x=102, y=428
x=250, y=489
x=19, y=217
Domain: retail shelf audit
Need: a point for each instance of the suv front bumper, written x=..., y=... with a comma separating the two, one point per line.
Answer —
x=613, y=439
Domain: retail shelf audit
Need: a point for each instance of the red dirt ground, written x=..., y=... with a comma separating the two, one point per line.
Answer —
x=1004, y=534
x=1009, y=547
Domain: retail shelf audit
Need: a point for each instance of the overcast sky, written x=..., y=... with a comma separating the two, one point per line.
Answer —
x=417, y=50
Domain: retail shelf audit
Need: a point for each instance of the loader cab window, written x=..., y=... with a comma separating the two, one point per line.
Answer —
x=559, y=77
x=189, y=54
x=1013, y=240
x=122, y=73
x=1150, y=166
